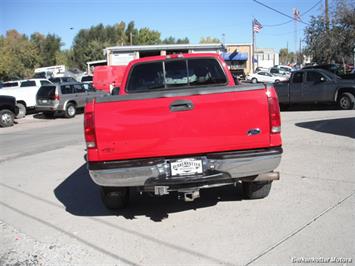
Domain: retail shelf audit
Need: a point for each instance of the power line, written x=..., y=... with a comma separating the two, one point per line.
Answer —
x=316, y=4
x=280, y=24
x=277, y=11
x=289, y=21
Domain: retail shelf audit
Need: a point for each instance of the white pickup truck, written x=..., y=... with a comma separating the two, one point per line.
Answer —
x=25, y=93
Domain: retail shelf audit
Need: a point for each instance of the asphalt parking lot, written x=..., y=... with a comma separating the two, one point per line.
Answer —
x=51, y=212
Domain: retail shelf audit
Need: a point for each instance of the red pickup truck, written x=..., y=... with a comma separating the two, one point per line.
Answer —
x=179, y=123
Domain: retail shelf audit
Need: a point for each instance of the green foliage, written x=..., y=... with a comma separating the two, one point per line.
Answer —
x=48, y=46
x=172, y=40
x=287, y=57
x=209, y=40
x=148, y=37
x=336, y=42
x=18, y=56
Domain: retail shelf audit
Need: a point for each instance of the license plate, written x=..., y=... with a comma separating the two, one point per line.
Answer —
x=184, y=167
x=44, y=101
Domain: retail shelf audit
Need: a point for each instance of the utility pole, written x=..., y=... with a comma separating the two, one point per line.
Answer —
x=326, y=15
x=131, y=38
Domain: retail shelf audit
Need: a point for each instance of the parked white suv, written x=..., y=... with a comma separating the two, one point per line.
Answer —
x=263, y=76
x=25, y=94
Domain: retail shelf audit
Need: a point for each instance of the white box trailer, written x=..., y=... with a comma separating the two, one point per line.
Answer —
x=51, y=71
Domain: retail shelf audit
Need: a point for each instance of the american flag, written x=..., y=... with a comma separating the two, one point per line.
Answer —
x=257, y=25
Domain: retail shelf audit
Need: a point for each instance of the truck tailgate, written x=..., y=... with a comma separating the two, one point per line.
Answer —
x=161, y=127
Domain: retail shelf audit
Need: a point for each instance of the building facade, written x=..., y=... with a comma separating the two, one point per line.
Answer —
x=266, y=57
x=122, y=55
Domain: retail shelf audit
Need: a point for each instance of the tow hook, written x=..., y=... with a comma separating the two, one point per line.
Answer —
x=191, y=196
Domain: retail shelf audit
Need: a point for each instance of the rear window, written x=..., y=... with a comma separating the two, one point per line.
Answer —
x=146, y=77
x=86, y=78
x=46, y=92
x=174, y=74
x=28, y=83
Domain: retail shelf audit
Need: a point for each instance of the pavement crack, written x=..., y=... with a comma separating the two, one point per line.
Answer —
x=299, y=229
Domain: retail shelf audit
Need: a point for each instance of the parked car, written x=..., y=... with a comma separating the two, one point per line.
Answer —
x=263, y=76
x=317, y=86
x=180, y=124
x=62, y=79
x=280, y=72
x=258, y=69
x=64, y=98
x=8, y=111
x=25, y=94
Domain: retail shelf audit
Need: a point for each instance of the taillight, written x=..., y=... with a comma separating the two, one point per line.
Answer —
x=89, y=130
x=55, y=96
x=274, y=111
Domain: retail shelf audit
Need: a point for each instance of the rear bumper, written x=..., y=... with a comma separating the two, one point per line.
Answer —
x=223, y=167
x=47, y=108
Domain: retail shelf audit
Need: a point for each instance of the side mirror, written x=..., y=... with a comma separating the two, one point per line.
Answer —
x=115, y=91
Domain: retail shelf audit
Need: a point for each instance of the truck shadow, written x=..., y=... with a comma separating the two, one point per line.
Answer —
x=340, y=126
x=81, y=197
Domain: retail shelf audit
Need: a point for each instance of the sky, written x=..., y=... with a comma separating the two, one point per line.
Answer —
x=228, y=20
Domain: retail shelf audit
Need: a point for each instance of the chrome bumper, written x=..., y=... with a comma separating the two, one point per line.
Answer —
x=230, y=167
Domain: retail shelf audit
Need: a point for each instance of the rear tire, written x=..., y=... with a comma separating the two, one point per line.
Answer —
x=70, y=110
x=256, y=190
x=115, y=198
x=21, y=110
x=346, y=101
x=254, y=80
x=6, y=118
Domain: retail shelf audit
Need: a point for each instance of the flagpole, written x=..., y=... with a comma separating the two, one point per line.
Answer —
x=253, y=44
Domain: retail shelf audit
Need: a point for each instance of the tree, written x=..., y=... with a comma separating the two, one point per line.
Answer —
x=131, y=34
x=172, y=40
x=48, y=47
x=335, y=43
x=283, y=55
x=209, y=40
x=18, y=56
x=89, y=44
x=148, y=36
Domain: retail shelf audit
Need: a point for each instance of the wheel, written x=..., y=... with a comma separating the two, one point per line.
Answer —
x=115, y=198
x=254, y=80
x=346, y=101
x=6, y=118
x=256, y=190
x=70, y=110
x=21, y=110
x=48, y=115
x=277, y=81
